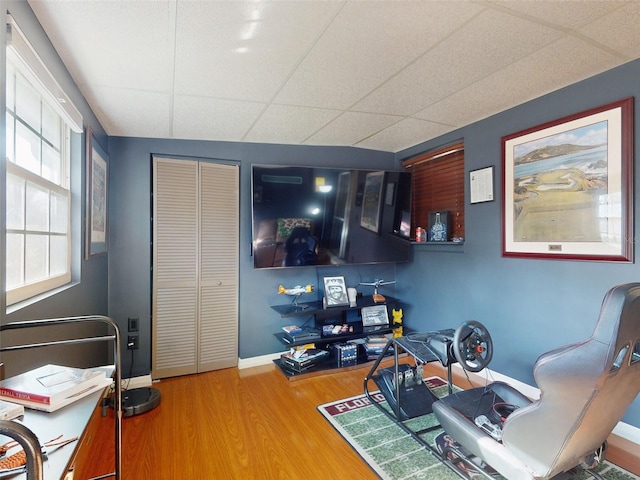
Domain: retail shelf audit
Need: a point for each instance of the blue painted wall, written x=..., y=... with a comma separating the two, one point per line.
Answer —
x=529, y=306
x=130, y=235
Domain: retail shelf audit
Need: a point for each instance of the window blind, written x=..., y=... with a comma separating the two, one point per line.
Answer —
x=437, y=184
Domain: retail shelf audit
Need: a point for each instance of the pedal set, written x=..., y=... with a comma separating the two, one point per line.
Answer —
x=408, y=375
x=415, y=397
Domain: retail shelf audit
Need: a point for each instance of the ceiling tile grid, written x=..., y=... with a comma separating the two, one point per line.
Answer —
x=350, y=128
x=289, y=124
x=244, y=50
x=545, y=69
x=377, y=74
x=202, y=118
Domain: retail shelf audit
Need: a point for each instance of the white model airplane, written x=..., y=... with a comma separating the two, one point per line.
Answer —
x=377, y=298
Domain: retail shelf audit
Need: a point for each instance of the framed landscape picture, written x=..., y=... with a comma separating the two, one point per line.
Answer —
x=567, y=187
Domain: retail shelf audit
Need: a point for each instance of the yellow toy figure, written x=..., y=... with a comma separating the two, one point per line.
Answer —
x=397, y=319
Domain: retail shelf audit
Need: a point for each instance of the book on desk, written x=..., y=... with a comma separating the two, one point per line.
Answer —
x=10, y=410
x=51, y=387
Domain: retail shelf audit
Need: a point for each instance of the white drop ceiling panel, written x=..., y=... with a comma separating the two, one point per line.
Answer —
x=351, y=128
x=404, y=134
x=511, y=85
x=103, y=44
x=365, y=45
x=288, y=124
x=484, y=46
x=568, y=14
x=149, y=112
x=202, y=118
x=244, y=50
x=375, y=74
x=618, y=30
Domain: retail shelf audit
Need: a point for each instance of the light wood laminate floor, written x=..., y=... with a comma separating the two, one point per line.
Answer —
x=243, y=424
x=233, y=424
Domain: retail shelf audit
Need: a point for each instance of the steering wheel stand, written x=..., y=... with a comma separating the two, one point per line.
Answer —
x=470, y=345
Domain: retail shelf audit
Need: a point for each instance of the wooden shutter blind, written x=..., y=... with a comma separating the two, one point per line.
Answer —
x=437, y=184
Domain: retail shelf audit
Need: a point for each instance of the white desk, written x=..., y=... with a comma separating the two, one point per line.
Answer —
x=69, y=421
x=73, y=419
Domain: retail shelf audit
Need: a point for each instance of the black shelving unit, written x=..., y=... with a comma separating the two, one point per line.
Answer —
x=332, y=315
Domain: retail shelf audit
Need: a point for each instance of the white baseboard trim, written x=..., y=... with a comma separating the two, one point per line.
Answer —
x=137, y=382
x=257, y=361
x=628, y=432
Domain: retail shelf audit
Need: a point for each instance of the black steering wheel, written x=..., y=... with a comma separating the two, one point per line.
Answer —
x=472, y=346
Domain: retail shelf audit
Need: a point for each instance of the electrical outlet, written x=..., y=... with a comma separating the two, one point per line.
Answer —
x=132, y=342
x=133, y=324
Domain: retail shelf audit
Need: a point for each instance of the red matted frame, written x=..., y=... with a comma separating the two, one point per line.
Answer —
x=568, y=187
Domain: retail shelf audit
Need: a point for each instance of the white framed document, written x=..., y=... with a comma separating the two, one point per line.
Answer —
x=481, y=182
x=375, y=315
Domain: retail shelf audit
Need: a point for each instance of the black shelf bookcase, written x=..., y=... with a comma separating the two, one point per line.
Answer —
x=337, y=315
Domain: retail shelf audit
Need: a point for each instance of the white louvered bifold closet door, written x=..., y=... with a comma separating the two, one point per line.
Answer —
x=195, y=267
x=219, y=231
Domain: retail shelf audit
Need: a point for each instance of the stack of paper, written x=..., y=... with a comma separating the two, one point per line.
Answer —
x=51, y=387
x=10, y=410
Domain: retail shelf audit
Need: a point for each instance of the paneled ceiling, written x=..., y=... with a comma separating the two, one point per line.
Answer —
x=383, y=75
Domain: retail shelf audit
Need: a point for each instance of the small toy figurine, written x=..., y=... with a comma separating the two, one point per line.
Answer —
x=296, y=292
x=397, y=320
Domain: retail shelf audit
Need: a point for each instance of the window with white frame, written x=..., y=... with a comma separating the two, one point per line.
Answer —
x=38, y=202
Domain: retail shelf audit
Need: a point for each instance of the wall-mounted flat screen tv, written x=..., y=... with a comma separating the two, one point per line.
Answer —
x=328, y=216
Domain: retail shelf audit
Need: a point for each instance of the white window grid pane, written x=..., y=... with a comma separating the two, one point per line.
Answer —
x=10, y=138
x=51, y=163
x=15, y=202
x=28, y=149
x=15, y=260
x=36, y=264
x=51, y=126
x=58, y=255
x=28, y=104
x=11, y=88
x=37, y=208
x=59, y=213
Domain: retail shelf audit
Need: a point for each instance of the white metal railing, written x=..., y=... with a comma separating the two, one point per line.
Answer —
x=23, y=435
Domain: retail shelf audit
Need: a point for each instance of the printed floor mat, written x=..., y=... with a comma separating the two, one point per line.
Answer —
x=394, y=454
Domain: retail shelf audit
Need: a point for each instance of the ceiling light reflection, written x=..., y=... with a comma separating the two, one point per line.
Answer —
x=249, y=30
